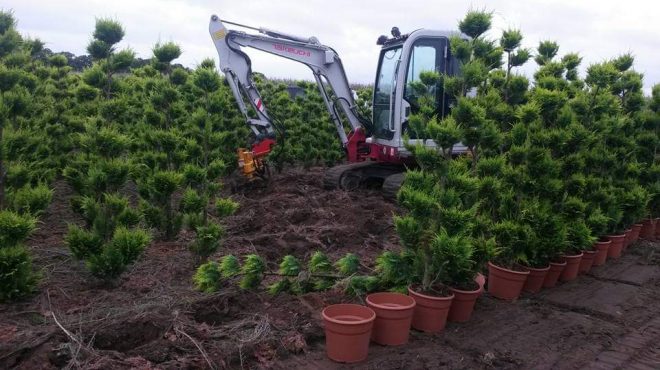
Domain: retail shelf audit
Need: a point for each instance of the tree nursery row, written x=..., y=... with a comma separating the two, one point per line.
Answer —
x=562, y=174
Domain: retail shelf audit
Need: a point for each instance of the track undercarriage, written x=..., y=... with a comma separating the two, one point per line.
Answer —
x=354, y=175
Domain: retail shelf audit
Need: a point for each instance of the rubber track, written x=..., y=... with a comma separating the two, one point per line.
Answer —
x=392, y=184
x=333, y=175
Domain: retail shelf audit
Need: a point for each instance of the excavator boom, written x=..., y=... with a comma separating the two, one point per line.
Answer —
x=325, y=64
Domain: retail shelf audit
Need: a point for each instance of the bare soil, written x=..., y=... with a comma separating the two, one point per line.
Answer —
x=153, y=319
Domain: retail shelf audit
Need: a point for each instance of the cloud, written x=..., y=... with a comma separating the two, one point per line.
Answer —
x=598, y=30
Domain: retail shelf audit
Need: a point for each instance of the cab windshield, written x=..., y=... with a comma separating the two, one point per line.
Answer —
x=384, y=93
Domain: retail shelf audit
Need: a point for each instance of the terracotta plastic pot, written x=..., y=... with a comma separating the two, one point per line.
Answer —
x=463, y=304
x=347, y=331
x=572, y=267
x=553, y=274
x=504, y=283
x=535, y=279
x=430, y=314
x=626, y=240
x=636, y=229
x=394, y=312
x=481, y=280
x=587, y=261
x=602, y=250
x=616, y=247
x=648, y=229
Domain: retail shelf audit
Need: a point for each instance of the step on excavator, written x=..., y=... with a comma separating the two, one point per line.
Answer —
x=375, y=148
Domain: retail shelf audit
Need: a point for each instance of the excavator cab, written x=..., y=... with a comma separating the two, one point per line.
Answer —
x=402, y=59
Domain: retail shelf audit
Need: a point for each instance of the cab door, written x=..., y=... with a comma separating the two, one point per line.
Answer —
x=425, y=54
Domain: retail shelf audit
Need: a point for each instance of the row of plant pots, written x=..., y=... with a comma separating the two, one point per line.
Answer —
x=388, y=317
x=508, y=284
x=650, y=229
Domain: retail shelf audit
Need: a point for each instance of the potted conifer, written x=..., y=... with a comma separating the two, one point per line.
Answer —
x=578, y=236
x=597, y=223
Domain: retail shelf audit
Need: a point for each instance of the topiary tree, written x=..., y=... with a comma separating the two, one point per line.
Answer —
x=164, y=54
x=546, y=51
x=157, y=206
x=122, y=250
x=111, y=239
x=107, y=33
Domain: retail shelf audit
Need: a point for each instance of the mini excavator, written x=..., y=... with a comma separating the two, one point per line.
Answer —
x=375, y=148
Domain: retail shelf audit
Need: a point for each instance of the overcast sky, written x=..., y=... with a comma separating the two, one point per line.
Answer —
x=597, y=29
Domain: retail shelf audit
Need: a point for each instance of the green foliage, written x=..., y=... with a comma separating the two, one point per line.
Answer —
x=159, y=210
x=121, y=60
x=207, y=277
x=167, y=52
x=130, y=243
x=348, y=265
x=122, y=250
x=545, y=52
x=293, y=276
x=361, y=285
x=252, y=271
x=17, y=279
x=207, y=240
x=108, y=30
x=32, y=200
x=192, y=201
x=511, y=39
x=475, y=23
x=555, y=153
x=229, y=266
x=206, y=80
x=107, y=265
x=15, y=228
x=82, y=243
x=99, y=49
x=395, y=270
x=225, y=207
x=7, y=21
x=452, y=256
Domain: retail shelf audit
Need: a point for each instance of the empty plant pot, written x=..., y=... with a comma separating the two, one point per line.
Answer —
x=553, y=274
x=347, y=331
x=430, y=314
x=504, y=283
x=616, y=247
x=463, y=304
x=636, y=229
x=648, y=229
x=535, y=279
x=602, y=250
x=570, y=272
x=394, y=312
x=587, y=261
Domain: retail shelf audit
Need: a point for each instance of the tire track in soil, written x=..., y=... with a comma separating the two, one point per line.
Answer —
x=639, y=349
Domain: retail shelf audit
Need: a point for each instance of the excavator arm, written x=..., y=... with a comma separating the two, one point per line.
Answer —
x=326, y=67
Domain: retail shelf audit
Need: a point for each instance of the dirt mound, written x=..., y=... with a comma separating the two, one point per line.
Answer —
x=293, y=214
